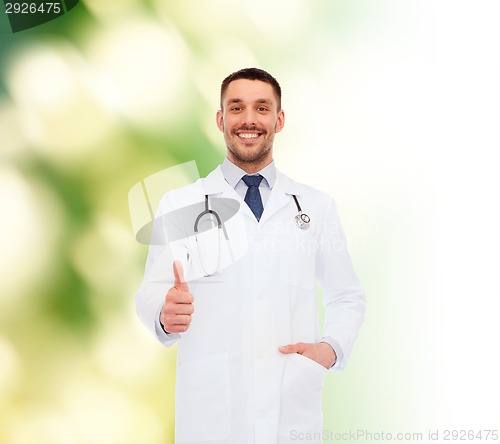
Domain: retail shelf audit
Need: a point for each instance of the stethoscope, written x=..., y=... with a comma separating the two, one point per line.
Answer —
x=302, y=220
x=220, y=228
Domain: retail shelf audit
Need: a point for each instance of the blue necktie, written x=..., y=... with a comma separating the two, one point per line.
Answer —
x=252, y=198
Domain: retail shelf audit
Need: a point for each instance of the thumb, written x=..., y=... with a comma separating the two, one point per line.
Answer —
x=292, y=348
x=179, y=282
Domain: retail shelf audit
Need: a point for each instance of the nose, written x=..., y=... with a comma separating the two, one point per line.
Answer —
x=249, y=117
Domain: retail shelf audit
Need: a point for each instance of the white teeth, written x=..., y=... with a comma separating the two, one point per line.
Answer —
x=248, y=135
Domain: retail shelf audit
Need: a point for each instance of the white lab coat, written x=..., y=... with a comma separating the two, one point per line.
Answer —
x=233, y=385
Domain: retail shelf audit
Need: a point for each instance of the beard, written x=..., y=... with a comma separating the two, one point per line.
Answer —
x=247, y=153
x=249, y=156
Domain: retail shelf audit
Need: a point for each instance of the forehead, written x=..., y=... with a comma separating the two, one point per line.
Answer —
x=249, y=91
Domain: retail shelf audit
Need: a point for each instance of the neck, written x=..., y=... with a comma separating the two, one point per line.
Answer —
x=250, y=167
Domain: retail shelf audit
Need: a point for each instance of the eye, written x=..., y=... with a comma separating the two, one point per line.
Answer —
x=262, y=109
x=235, y=109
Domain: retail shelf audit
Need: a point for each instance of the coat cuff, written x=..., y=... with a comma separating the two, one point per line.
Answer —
x=167, y=339
x=337, y=349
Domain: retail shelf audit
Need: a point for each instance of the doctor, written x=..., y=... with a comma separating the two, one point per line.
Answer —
x=251, y=357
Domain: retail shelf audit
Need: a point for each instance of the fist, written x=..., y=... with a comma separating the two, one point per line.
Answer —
x=178, y=308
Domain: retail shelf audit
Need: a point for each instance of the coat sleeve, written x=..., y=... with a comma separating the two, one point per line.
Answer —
x=158, y=278
x=343, y=297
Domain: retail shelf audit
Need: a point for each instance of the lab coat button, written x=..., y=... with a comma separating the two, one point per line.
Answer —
x=260, y=355
x=260, y=296
x=258, y=238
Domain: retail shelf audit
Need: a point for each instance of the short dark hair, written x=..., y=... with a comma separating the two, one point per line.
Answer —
x=252, y=74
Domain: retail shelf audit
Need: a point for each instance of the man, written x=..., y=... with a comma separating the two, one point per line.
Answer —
x=251, y=359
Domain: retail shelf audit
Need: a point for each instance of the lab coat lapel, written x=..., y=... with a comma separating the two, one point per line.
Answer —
x=277, y=200
x=280, y=196
x=215, y=184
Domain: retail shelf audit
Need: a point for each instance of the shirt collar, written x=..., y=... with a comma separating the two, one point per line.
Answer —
x=233, y=173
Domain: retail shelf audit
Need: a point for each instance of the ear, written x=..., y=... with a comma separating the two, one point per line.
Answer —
x=280, y=122
x=220, y=120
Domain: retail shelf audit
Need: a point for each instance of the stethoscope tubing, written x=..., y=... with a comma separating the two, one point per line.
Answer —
x=302, y=220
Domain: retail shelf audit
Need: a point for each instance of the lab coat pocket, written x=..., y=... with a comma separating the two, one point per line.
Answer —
x=302, y=388
x=202, y=398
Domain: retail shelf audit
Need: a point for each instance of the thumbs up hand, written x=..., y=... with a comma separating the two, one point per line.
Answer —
x=176, y=312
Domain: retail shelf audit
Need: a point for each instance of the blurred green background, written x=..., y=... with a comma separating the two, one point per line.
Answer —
x=391, y=106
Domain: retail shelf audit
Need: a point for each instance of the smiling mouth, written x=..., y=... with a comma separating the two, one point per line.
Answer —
x=248, y=136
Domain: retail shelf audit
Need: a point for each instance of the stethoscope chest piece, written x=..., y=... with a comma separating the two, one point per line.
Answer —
x=302, y=220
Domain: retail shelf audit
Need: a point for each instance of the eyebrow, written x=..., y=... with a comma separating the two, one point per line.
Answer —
x=257, y=101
